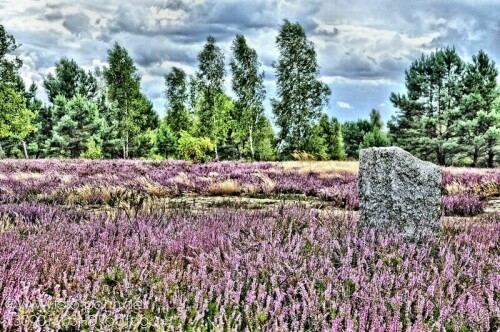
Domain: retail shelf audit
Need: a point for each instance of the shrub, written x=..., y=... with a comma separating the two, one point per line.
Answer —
x=194, y=148
x=93, y=151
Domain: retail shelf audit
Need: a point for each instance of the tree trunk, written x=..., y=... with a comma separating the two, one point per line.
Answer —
x=126, y=146
x=441, y=159
x=1, y=151
x=475, y=157
x=25, y=150
x=251, y=143
x=216, y=153
x=491, y=157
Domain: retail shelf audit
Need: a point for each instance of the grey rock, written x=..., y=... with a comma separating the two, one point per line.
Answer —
x=399, y=190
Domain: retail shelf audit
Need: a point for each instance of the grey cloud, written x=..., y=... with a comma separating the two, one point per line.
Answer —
x=53, y=16
x=55, y=5
x=156, y=54
x=77, y=23
x=323, y=32
x=178, y=31
x=257, y=14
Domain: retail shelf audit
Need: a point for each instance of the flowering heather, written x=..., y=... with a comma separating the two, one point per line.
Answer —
x=462, y=205
x=482, y=183
x=86, y=182
x=286, y=269
x=93, y=182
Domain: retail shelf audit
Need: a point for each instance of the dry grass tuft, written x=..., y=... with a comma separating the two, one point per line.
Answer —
x=157, y=190
x=227, y=187
x=325, y=168
x=182, y=178
x=303, y=156
x=94, y=195
x=268, y=184
x=27, y=176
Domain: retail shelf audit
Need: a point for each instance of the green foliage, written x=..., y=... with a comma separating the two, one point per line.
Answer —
x=194, y=148
x=178, y=117
x=353, y=134
x=93, y=151
x=478, y=115
x=213, y=105
x=16, y=113
x=69, y=80
x=375, y=138
x=332, y=134
x=424, y=122
x=166, y=140
x=362, y=134
x=248, y=85
x=145, y=122
x=80, y=124
x=9, y=65
x=15, y=118
x=145, y=145
x=136, y=114
x=265, y=145
x=215, y=123
x=316, y=145
x=448, y=114
x=326, y=142
x=301, y=97
x=336, y=146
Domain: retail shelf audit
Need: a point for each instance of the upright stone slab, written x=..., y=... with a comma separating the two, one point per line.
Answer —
x=398, y=189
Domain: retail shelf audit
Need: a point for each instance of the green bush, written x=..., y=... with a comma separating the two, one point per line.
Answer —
x=194, y=148
x=93, y=151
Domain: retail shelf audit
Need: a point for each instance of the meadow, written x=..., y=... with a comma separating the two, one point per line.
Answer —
x=170, y=245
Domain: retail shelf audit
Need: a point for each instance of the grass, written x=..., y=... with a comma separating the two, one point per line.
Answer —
x=322, y=167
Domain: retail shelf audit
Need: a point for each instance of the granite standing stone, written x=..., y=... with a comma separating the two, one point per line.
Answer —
x=398, y=189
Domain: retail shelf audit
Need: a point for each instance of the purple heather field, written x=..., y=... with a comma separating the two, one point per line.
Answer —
x=120, y=245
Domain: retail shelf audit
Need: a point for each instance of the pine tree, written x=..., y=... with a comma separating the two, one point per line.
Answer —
x=9, y=65
x=424, y=122
x=301, y=97
x=70, y=80
x=376, y=119
x=80, y=123
x=248, y=85
x=479, y=95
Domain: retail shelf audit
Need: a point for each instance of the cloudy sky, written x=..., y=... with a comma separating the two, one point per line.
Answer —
x=363, y=46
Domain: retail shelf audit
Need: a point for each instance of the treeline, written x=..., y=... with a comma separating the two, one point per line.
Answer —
x=104, y=114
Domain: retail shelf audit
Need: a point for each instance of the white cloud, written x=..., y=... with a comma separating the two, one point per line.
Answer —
x=344, y=104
